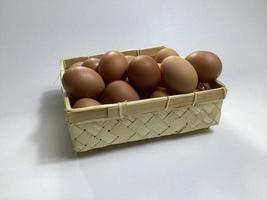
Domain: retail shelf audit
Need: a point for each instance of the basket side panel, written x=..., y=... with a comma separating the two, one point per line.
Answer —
x=91, y=135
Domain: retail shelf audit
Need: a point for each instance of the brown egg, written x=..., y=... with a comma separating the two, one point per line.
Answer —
x=144, y=73
x=82, y=82
x=112, y=66
x=119, y=91
x=203, y=86
x=207, y=64
x=85, y=102
x=91, y=63
x=144, y=94
x=179, y=75
x=129, y=58
x=160, y=92
x=164, y=53
x=76, y=64
x=161, y=83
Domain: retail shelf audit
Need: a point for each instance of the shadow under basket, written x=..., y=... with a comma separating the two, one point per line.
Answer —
x=110, y=124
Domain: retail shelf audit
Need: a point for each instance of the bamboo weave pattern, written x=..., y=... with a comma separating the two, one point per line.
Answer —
x=91, y=135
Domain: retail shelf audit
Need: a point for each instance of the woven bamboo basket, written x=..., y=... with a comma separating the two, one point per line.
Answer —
x=110, y=124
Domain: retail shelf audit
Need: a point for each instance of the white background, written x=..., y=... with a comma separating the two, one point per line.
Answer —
x=36, y=157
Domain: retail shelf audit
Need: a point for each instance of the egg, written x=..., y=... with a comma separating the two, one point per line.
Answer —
x=179, y=75
x=203, y=86
x=160, y=92
x=82, y=82
x=91, y=63
x=76, y=64
x=161, y=84
x=144, y=73
x=129, y=58
x=119, y=91
x=144, y=94
x=112, y=66
x=85, y=102
x=164, y=53
x=207, y=64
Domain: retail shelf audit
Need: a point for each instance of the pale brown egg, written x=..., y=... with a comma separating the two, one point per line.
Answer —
x=119, y=91
x=164, y=53
x=85, y=102
x=144, y=73
x=160, y=92
x=129, y=58
x=207, y=64
x=112, y=66
x=91, y=63
x=81, y=82
x=179, y=75
x=76, y=64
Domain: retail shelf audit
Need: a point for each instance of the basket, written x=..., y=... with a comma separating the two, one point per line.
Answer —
x=104, y=125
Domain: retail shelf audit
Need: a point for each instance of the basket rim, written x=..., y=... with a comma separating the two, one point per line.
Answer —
x=141, y=101
x=217, y=93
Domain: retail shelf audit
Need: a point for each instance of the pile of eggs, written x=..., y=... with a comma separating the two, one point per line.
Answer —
x=116, y=78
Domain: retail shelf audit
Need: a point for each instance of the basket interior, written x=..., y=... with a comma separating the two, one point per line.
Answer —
x=217, y=89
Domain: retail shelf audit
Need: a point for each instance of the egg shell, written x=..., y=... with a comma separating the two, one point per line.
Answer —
x=82, y=82
x=203, y=86
x=112, y=66
x=164, y=53
x=207, y=64
x=161, y=83
x=91, y=63
x=144, y=94
x=179, y=75
x=129, y=58
x=160, y=92
x=76, y=64
x=144, y=73
x=85, y=102
x=71, y=98
x=119, y=91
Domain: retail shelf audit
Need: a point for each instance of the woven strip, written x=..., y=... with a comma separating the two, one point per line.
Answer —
x=92, y=135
